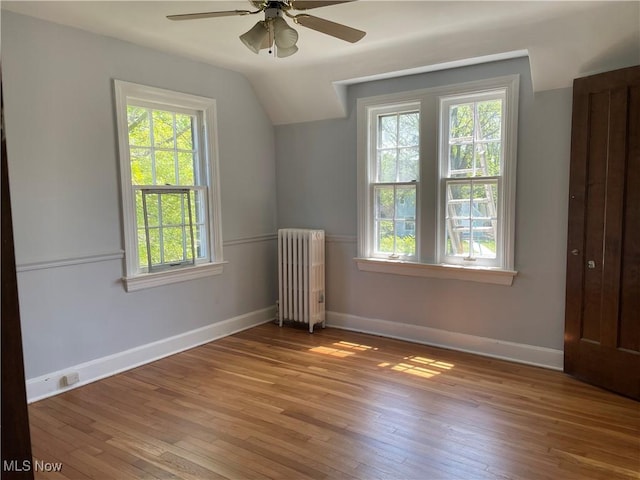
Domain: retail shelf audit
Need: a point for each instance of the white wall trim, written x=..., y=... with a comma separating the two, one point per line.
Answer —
x=119, y=255
x=489, y=347
x=51, y=384
x=69, y=261
x=252, y=239
x=465, y=62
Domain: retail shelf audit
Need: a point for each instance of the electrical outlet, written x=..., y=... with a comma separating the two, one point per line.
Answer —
x=70, y=378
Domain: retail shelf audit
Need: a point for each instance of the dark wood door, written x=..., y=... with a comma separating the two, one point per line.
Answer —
x=16, y=441
x=602, y=324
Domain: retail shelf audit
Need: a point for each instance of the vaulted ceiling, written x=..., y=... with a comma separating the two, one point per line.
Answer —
x=563, y=40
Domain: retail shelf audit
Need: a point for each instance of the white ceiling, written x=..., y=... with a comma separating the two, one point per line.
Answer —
x=564, y=40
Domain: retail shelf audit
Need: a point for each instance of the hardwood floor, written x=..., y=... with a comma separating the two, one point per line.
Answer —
x=276, y=402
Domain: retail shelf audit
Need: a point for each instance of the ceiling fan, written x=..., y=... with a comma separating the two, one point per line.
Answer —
x=274, y=28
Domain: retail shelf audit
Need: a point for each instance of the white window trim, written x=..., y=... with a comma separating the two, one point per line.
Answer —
x=134, y=279
x=501, y=276
x=495, y=276
x=156, y=279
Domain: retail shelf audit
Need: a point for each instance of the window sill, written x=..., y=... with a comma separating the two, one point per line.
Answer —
x=150, y=280
x=494, y=276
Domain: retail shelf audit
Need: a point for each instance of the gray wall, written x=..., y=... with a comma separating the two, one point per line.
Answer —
x=63, y=165
x=64, y=179
x=316, y=178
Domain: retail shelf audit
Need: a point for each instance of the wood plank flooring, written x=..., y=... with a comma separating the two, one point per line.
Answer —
x=279, y=403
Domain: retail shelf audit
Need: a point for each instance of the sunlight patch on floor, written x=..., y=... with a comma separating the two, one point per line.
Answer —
x=419, y=366
x=334, y=352
x=342, y=349
x=413, y=365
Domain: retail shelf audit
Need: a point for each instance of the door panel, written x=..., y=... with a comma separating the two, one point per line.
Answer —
x=630, y=297
x=595, y=202
x=602, y=327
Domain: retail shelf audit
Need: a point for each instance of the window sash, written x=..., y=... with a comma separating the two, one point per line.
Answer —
x=391, y=219
x=471, y=230
x=199, y=209
x=198, y=163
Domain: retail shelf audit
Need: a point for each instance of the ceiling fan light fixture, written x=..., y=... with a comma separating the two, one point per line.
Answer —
x=285, y=52
x=274, y=30
x=254, y=38
x=285, y=36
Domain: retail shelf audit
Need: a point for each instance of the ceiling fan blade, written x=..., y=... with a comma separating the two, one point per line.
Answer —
x=328, y=27
x=194, y=16
x=307, y=5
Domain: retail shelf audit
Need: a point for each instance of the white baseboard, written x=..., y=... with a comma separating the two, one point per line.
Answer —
x=51, y=383
x=490, y=347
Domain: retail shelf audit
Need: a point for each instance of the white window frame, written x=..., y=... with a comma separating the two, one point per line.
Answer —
x=137, y=278
x=374, y=113
x=429, y=234
x=504, y=238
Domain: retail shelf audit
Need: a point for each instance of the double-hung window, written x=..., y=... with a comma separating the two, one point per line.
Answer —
x=436, y=181
x=169, y=185
x=471, y=185
x=395, y=158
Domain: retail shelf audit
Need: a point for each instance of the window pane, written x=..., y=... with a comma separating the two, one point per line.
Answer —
x=165, y=168
x=153, y=211
x=139, y=210
x=185, y=168
x=184, y=132
x=384, y=236
x=387, y=165
x=384, y=202
x=173, y=244
x=163, y=129
x=409, y=129
x=387, y=131
x=405, y=240
x=142, y=248
x=484, y=219
x=171, y=209
x=461, y=160
x=186, y=235
x=408, y=161
x=457, y=218
x=461, y=122
x=405, y=203
x=488, y=159
x=140, y=166
x=154, y=240
x=138, y=121
x=490, y=119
